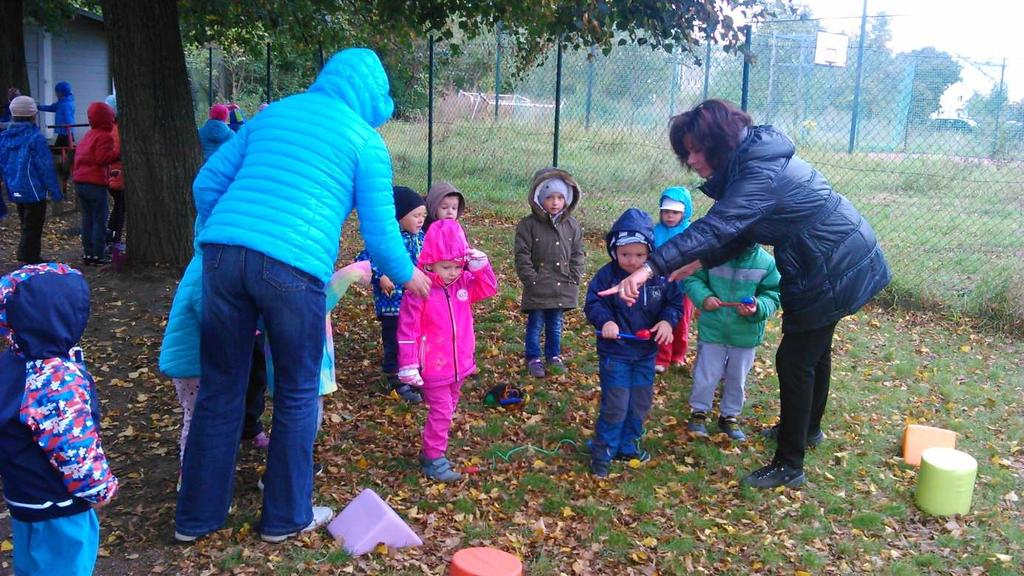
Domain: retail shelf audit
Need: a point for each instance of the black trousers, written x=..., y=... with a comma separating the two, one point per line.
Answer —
x=33, y=216
x=115, y=223
x=804, y=365
x=389, y=340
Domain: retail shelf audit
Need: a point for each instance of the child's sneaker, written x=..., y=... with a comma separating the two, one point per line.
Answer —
x=536, y=368
x=731, y=427
x=642, y=456
x=439, y=469
x=660, y=368
x=409, y=394
x=321, y=516
x=599, y=468
x=556, y=365
x=261, y=441
x=696, y=426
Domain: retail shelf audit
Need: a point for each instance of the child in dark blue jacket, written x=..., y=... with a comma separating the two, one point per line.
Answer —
x=64, y=113
x=52, y=463
x=26, y=168
x=626, y=355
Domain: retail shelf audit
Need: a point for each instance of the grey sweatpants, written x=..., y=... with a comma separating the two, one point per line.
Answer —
x=717, y=362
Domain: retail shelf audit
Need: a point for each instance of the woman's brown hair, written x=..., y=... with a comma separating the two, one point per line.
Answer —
x=713, y=127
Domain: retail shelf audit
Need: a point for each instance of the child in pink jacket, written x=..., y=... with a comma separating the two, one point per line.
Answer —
x=436, y=344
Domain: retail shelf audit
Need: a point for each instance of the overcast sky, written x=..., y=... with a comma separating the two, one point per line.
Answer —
x=983, y=30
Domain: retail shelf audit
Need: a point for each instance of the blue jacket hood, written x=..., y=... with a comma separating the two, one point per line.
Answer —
x=63, y=88
x=632, y=220
x=18, y=135
x=215, y=131
x=356, y=77
x=44, y=309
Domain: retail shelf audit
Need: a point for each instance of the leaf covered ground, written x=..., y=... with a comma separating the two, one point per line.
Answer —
x=680, y=513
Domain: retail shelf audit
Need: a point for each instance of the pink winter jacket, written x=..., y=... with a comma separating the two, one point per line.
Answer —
x=436, y=334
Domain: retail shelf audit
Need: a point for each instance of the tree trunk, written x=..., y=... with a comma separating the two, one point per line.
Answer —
x=13, y=69
x=159, y=145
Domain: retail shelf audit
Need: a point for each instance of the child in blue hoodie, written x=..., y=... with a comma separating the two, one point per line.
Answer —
x=675, y=210
x=26, y=168
x=626, y=353
x=55, y=473
x=64, y=108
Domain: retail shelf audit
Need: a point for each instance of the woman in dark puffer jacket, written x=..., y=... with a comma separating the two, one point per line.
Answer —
x=827, y=254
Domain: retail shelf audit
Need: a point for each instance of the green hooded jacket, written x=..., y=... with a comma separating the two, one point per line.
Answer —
x=752, y=273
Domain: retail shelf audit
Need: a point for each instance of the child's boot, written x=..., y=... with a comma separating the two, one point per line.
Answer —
x=696, y=426
x=439, y=469
x=536, y=368
x=731, y=427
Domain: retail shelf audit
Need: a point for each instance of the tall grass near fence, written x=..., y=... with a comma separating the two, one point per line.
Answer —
x=961, y=252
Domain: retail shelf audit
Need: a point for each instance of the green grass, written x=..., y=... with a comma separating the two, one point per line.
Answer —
x=950, y=227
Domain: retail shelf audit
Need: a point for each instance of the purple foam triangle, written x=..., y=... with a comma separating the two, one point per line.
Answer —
x=368, y=521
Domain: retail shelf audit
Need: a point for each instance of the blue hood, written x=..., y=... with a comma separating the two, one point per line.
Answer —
x=63, y=89
x=215, y=131
x=18, y=135
x=44, y=309
x=632, y=220
x=356, y=77
x=680, y=194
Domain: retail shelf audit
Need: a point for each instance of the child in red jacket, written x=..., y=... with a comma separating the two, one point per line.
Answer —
x=93, y=157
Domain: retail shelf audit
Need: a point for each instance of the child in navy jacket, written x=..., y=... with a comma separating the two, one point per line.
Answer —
x=626, y=362
x=52, y=463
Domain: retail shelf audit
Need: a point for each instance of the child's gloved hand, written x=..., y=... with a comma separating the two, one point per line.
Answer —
x=477, y=260
x=410, y=375
x=711, y=304
x=662, y=333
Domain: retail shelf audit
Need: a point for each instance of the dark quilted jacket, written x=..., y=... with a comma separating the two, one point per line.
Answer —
x=826, y=253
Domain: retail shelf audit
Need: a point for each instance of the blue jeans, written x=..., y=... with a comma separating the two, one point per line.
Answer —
x=239, y=286
x=627, y=391
x=93, y=199
x=66, y=545
x=550, y=321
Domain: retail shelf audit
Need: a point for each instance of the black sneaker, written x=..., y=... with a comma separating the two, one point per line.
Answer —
x=101, y=261
x=599, y=468
x=642, y=455
x=813, y=440
x=696, y=424
x=731, y=428
x=409, y=394
x=774, y=475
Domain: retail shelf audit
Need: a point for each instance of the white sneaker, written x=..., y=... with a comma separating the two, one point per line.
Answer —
x=659, y=369
x=321, y=516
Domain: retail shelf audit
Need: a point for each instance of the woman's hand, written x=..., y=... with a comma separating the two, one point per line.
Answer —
x=662, y=333
x=685, y=271
x=610, y=330
x=629, y=288
x=419, y=284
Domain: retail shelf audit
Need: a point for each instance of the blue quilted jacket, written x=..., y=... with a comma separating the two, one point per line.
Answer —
x=286, y=182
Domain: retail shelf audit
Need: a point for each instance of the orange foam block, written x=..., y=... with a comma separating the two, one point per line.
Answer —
x=918, y=438
x=485, y=562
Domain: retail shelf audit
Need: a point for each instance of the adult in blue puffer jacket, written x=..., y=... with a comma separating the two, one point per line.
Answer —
x=64, y=108
x=29, y=176
x=271, y=203
x=215, y=132
x=827, y=255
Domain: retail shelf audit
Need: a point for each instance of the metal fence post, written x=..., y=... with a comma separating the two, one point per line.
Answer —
x=909, y=116
x=590, y=85
x=209, y=79
x=430, y=113
x=999, y=110
x=677, y=70
x=745, y=90
x=558, y=100
x=707, y=67
x=860, y=78
x=497, y=74
x=267, y=94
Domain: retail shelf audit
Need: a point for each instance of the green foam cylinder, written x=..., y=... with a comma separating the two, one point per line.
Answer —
x=945, y=483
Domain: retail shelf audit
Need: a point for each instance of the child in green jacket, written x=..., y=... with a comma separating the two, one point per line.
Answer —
x=729, y=332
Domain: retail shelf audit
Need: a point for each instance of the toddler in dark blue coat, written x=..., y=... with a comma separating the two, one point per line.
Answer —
x=628, y=340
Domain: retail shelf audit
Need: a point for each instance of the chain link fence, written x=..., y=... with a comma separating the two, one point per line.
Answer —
x=938, y=176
